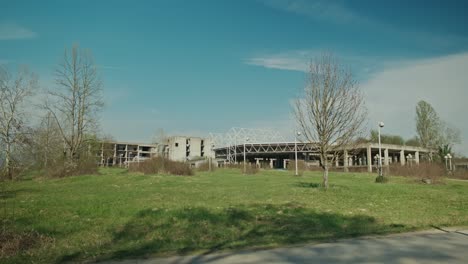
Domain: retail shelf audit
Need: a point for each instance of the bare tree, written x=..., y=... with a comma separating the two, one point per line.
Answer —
x=159, y=137
x=14, y=94
x=76, y=101
x=331, y=112
x=428, y=125
x=433, y=132
x=48, y=142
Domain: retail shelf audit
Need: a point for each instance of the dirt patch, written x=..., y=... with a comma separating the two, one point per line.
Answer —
x=14, y=243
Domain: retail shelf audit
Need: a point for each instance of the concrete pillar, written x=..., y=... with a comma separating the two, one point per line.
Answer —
x=102, y=154
x=345, y=160
x=257, y=162
x=284, y=163
x=386, y=157
x=402, y=158
x=369, y=159
x=416, y=157
x=271, y=163
x=114, y=160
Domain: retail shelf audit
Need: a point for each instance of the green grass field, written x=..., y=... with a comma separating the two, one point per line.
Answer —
x=120, y=215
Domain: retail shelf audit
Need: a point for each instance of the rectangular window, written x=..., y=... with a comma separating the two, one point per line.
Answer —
x=176, y=144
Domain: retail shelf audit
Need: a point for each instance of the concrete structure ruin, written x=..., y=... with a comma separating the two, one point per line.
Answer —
x=265, y=148
x=268, y=149
x=178, y=148
x=118, y=153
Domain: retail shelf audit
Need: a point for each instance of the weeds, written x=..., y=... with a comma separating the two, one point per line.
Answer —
x=158, y=165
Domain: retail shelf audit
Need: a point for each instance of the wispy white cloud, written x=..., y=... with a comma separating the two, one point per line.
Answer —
x=299, y=60
x=394, y=87
x=322, y=10
x=392, y=94
x=293, y=61
x=337, y=13
x=107, y=67
x=10, y=31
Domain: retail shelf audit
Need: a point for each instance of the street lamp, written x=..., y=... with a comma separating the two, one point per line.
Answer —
x=209, y=158
x=381, y=124
x=298, y=133
x=245, y=171
x=446, y=165
x=410, y=159
x=450, y=161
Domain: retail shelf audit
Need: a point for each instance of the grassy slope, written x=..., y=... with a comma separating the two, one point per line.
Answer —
x=117, y=215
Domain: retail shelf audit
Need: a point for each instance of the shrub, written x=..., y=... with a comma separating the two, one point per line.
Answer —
x=63, y=168
x=381, y=179
x=460, y=174
x=250, y=169
x=424, y=171
x=14, y=243
x=161, y=165
x=205, y=166
x=233, y=166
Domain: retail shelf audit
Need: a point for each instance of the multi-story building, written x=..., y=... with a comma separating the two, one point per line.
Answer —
x=118, y=153
x=178, y=148
x=183, y=148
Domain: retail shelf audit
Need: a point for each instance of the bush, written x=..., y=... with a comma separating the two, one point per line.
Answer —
x=62, y=168
x=381, y=179
x=460, y=174
x=205, y=166
x=158, y=165
x=424, y=171
x=250, y=169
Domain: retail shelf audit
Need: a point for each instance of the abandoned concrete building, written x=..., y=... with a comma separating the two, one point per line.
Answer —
x=268, y=149
x=179, y=148
x=265, y=148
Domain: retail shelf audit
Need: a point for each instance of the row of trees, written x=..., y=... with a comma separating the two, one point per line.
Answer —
x=55, y=126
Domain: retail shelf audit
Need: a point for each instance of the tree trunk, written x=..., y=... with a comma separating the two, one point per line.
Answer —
x=325, y=172
x=8, y=172
x=325, y=177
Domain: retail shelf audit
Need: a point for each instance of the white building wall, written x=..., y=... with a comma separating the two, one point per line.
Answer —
x=194, y=147
x=177, y=148
x=182, y=148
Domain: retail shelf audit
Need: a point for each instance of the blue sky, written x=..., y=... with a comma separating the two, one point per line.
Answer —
x=193, y=67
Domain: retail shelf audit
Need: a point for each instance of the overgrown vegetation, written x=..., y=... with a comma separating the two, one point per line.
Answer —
x=121, y=214
x=160, y=165
x=430, y=172
x=301, y=166
x=205, y=166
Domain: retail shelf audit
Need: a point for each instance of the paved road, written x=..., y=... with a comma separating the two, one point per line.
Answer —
x=434, y=246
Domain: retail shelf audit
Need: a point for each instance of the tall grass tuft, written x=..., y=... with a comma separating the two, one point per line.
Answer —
x=428, y=172
x=158, y=165
x=61, y=169
x=301, y=166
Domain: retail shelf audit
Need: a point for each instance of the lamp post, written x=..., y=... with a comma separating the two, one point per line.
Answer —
x=410, y=159
x=245, y=171
x=381, y=124
x=298, y=133
x=446, y=165
x=450, y=161
x=209, y=158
